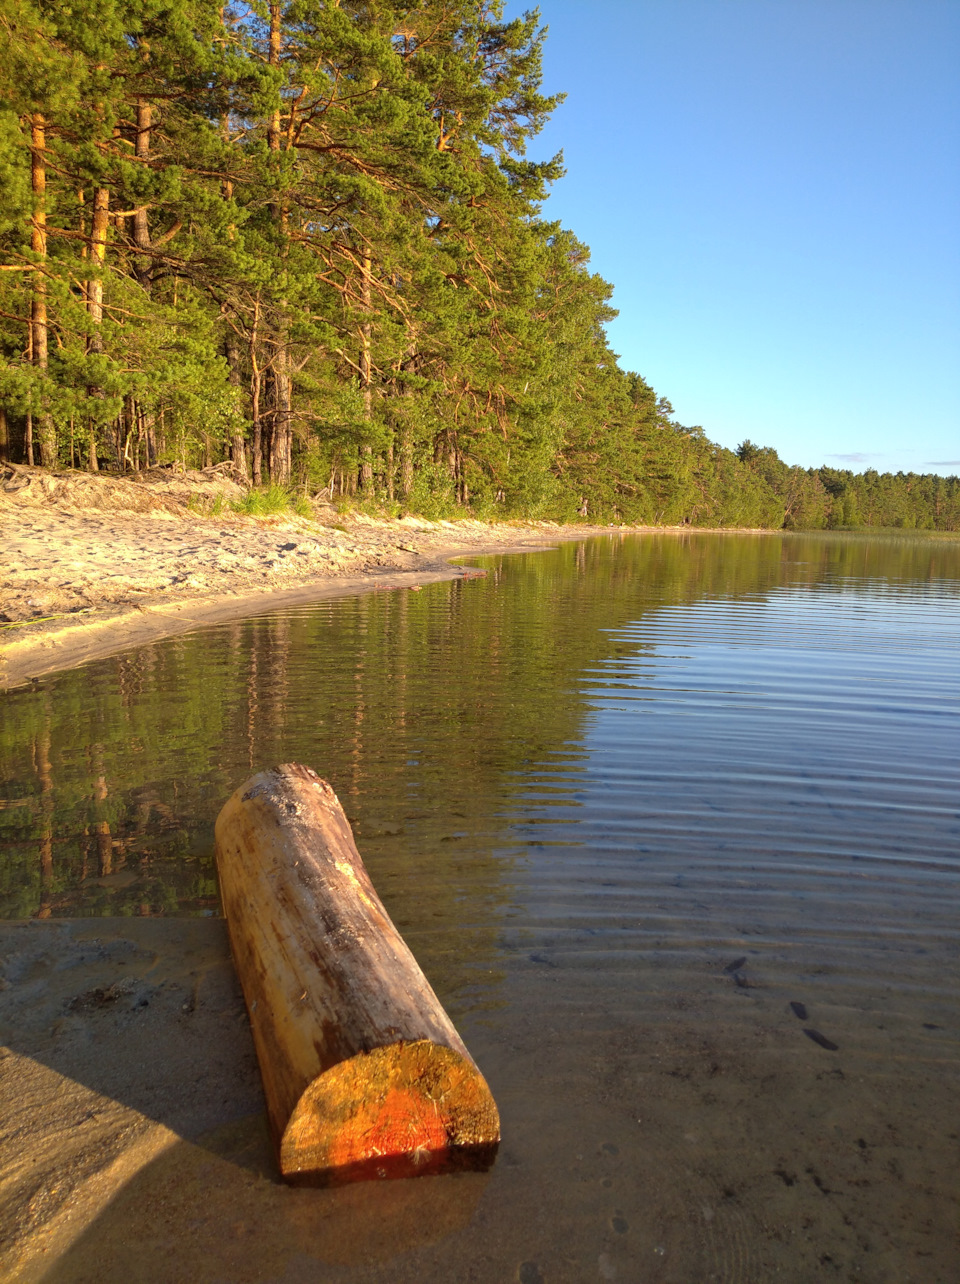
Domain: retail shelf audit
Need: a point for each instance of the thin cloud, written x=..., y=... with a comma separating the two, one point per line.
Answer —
x=942, y=463
x=856, y=458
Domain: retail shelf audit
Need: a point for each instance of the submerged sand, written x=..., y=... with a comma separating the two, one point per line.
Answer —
x=702, y=1139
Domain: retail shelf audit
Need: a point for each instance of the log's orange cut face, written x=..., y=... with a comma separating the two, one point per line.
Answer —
x=398, y=1111
x=402, y=1122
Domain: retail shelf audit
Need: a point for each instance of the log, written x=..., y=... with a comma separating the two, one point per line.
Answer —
x=363, y=1072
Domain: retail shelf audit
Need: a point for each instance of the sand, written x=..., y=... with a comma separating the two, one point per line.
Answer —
x=96, y=565
x=703, y=1138
x=127, y=1059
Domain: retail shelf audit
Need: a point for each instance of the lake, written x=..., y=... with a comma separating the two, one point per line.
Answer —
x=671, y=823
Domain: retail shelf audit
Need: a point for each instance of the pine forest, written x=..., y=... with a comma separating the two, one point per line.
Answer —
x=304, y=240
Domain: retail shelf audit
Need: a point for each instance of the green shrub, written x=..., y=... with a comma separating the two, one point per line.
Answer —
x=264, y=500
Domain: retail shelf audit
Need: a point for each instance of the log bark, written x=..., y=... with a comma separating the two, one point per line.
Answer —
x=363, y=1071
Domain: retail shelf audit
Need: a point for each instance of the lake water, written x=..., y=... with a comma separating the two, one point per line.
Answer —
x=628, y=801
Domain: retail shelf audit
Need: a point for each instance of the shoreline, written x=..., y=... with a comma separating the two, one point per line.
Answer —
x=86, y=581
x=78, y=639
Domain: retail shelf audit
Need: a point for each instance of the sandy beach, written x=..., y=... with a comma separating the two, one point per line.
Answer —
x=94, y=565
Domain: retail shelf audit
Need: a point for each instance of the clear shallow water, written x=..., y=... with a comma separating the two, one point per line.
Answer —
x=586, y=786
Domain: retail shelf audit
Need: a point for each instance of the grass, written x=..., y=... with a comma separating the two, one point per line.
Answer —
x=266, y=500
x=262, y=501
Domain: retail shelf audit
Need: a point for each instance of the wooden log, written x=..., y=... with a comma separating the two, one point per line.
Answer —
x=363, y=1071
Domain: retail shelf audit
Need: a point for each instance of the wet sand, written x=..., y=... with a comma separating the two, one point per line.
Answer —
x=128, y=1066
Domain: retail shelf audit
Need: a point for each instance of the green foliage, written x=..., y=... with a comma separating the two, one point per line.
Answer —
x=318, y=249
x=267, y=500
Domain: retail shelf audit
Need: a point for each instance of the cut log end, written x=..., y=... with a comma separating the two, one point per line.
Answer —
x=404, y=1110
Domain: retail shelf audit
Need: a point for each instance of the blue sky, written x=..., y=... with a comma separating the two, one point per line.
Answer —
x=773, y=187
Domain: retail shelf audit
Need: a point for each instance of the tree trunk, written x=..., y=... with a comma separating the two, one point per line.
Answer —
x=134, y=433
x=136, y=422
x=279, y=451
x=227, y=184
x=141, y=225
x=406, y=459
x=406, y=430
x=363, y=1071
x=98, y=254
x=143, y=265
x=4, y=438
x=47, y=435
x=366, y=378
x=281, y=429
x=238, y=451
x=273, y=58
x=255, y=389
x=150, y=439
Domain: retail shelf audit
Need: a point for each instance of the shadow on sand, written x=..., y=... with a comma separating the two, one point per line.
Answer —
x=137, y=1146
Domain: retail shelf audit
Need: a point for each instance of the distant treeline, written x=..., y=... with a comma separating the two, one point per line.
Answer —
x=303, y=237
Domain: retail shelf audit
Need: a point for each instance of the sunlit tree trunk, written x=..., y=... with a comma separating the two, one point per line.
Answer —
x=141, y=223
x=47, y=435
x=366, y=376
x=273, y=58
x=256, y=382
x=98, y=255
x=280, y=385
x=93, y=464
x=238, y=450
x=142, y=264
x=406, y=459
x=406, y=431
x=280, y=439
